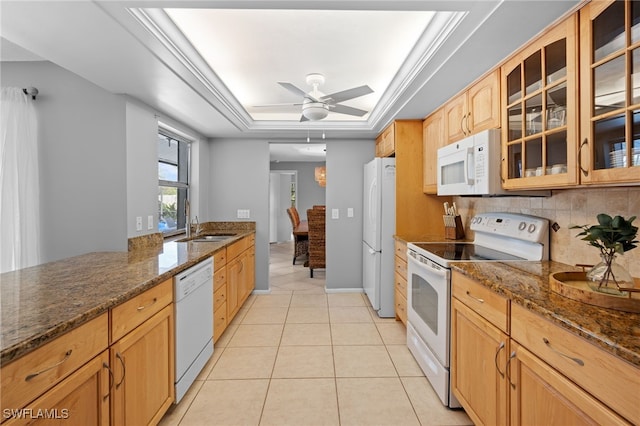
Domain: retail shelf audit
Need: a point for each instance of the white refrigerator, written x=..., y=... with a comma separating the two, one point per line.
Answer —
x=379, y=218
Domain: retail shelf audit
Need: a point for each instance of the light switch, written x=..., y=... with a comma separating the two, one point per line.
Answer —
x=350, y=212
x=335, y=214
x=150, y=222
x=138, y=223
x=243, y=214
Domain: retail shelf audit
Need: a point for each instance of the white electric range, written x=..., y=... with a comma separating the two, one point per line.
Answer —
x=499, y=237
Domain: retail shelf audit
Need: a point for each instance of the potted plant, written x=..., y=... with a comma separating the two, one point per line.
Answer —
x=611, y=236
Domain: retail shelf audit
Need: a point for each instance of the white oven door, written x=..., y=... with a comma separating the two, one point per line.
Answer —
x=428, y=302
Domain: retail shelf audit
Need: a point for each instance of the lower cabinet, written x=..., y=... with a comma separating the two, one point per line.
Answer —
x=143, y=369
x=80, y=399
x=478, y=361
x=400, y=281
x=511, y=366
x=240, y=274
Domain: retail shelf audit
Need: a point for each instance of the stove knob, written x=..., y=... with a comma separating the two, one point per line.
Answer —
x=532, y=228
x=522, y=226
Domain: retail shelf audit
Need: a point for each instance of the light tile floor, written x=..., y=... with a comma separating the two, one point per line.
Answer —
x=300, y=356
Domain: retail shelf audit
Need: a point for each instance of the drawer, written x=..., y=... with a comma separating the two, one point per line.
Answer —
x=33, y=374
x=219, y=258
x=220, y=297
x=219, y=277
x=401, y=307
x=610, y=379
x=491, y=306
x=219, y=321
x=135, y=311
x=401, y=250
x=401, y=267
x=238, y=247
x=401, y=284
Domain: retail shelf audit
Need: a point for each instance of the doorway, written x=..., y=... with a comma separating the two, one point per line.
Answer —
x=283, y=185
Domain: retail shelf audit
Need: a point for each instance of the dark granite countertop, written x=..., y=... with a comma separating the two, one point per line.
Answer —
x=527, y=284
x=40, y=303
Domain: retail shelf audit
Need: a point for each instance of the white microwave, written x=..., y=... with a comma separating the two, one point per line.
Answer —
x=471, y=166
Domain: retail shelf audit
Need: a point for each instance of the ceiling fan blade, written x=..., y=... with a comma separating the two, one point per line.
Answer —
x=343, y=109
x=345, y=95
x=296, y=90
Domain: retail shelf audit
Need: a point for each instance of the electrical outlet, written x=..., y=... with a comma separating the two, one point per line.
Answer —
x=243, y=214
x=335, y=214
x=138, y=223
x=150, y=222
x=350, y=212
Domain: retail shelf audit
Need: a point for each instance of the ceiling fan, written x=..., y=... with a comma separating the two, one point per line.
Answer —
x=316, y=106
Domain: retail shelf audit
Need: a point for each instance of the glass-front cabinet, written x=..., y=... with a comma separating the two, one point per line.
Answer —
x=539, y=120
x=610, y=92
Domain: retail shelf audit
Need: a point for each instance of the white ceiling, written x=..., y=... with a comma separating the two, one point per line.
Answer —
x=134, y=48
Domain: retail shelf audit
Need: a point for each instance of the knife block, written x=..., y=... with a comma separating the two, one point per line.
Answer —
x=453, y=229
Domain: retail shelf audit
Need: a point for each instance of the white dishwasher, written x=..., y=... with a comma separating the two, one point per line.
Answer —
x=193, y=302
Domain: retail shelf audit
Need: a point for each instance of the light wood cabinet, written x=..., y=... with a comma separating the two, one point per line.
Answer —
x=385, y=142
x=510, y=365
x=478, y=360
x=433, y=138
x=80, y=399
x=610, y=93
x=400, y=275
x=474, y=110
x=240, y=274
x=410, y=197
x=143, y=366
x=220, y=321
x=541, y=395
x=540, y=117
x=35, y=373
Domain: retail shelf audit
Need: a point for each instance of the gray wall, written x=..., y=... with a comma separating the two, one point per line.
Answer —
x=309, y=192
x=239, y=179
x=345, y=161
x=82, y=141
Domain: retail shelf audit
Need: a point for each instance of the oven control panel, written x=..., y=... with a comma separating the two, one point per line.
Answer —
x=512, y=225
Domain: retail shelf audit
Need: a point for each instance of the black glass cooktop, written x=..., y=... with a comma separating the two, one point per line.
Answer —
x=463, y=251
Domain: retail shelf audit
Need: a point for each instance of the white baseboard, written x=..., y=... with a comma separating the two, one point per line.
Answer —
x=261, y=291
x=343, y=290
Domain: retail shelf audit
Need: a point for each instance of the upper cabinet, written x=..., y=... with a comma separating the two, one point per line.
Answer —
x=386, y=142
x=433, y=138
x=610, y=92
x=474, y=110
x=539, y=121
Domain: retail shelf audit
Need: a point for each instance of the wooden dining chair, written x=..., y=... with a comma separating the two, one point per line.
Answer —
x=300, y=241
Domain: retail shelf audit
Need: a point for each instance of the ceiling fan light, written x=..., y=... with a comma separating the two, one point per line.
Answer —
x=315, y=110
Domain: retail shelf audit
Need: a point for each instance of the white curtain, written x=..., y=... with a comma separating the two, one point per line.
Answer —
x=19, y=181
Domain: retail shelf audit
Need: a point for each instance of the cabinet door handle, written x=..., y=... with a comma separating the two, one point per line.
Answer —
x=141, y=308
x=124, y=371
x=105, y=365
x=44, y=370
x=475, y=298
x=495, y=360
x=574, y=359
x=584, y=142
x=508, y=369
x=467, y=124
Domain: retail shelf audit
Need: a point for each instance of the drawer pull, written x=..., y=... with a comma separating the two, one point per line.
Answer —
x=32, y=375
x=105, y=365
x=574, y=359
x=475, y=298
x=124, y=371
x=495, y=360
x=140, y=308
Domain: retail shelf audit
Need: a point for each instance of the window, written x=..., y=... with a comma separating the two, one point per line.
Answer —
x=173, y=183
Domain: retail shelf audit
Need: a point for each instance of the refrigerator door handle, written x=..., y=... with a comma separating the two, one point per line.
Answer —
x=372, y=201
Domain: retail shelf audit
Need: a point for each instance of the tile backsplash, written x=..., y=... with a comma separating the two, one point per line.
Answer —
x=566, y=207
